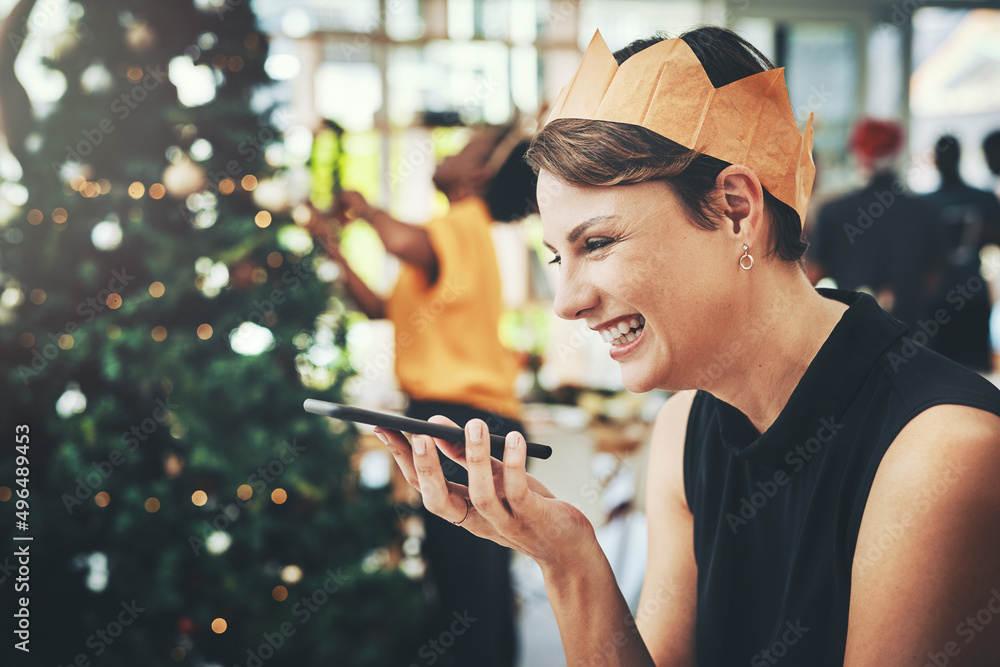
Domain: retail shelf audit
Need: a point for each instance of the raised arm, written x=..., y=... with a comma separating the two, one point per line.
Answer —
x=410, y=243
x=370, y=303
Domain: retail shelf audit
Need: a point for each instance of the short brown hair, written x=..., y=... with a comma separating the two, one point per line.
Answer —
x=588, y=153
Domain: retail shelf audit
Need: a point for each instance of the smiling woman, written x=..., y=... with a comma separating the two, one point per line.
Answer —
x=803, y=496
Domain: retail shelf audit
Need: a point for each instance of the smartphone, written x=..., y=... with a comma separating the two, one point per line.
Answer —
x=396, y=423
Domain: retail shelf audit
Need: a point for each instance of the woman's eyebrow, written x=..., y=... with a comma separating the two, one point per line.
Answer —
x=578, y=231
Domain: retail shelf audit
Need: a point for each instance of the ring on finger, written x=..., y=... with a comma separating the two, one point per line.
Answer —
x=468, y=509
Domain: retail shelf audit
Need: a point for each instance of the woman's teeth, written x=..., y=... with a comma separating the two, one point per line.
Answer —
x=624, y=331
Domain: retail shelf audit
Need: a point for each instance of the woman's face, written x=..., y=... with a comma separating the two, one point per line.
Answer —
x=656, y=288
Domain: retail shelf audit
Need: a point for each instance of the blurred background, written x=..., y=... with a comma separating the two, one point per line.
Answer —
x=164, y=309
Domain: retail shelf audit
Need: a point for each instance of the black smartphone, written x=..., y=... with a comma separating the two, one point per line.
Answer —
x=409, y=425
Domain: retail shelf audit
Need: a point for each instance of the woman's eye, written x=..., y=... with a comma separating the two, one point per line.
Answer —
x=555, y=260
x=597, y=243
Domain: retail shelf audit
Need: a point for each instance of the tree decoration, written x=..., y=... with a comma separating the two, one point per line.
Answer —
x=150, y=351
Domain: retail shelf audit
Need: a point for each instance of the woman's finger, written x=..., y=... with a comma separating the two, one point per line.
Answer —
x=433, y=487
x=400, y=449
x=482, y=487
x=455, y=450
x=515, y=474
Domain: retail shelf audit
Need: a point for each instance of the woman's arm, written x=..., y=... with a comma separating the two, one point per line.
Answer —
x=370, y=303
x=925, y=585
x=667, y=606
x=409, y=243
x=594, y=619
x=592, y=614
x=512, y=508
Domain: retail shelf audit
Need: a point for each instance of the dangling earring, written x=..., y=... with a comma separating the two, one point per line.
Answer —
x=746, y=255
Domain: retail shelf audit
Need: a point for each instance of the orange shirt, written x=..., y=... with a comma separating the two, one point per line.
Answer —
x=447, y=341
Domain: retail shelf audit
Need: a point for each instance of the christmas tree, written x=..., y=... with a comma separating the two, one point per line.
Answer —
x=159, y=331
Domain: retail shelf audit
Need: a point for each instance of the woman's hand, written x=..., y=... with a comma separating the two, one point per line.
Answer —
x=352, y=204
x=325, y=231
x=502, y=503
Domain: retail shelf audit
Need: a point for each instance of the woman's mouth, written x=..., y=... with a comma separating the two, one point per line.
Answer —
x=624, y=332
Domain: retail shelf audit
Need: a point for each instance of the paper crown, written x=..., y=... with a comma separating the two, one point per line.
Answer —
x=664, y=88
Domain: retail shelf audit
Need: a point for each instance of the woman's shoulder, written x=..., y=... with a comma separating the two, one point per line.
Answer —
x=918, y=379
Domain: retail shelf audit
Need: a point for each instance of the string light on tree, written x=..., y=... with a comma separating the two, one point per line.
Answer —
x=291, y=574
x=184, y=178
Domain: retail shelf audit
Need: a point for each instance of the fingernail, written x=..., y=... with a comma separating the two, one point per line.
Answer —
x=381, y=436
x=419, y=446
x=476, y=432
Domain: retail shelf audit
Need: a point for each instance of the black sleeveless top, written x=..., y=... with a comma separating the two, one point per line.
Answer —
x=776, y=515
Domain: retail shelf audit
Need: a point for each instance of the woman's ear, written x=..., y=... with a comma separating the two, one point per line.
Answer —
x=744, y=199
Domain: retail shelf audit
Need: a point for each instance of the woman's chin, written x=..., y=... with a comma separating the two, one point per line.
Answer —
x=638, y=381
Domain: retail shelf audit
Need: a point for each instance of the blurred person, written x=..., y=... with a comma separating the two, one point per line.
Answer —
x=821, y=489
x=446, y=309
x=991, y=151
x=969, y=219
x=879, y=239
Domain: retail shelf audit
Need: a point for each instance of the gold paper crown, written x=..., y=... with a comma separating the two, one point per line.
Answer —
x=664, y=88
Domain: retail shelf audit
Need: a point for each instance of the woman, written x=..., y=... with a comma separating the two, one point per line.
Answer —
x=445, y=309
x=821, y=487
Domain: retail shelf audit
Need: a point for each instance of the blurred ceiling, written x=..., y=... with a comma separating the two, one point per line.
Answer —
x=894, y=11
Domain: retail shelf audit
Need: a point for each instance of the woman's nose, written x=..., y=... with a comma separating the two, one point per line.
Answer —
x=574, y=295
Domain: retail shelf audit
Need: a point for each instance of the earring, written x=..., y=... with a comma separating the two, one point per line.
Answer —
x=746, y=255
